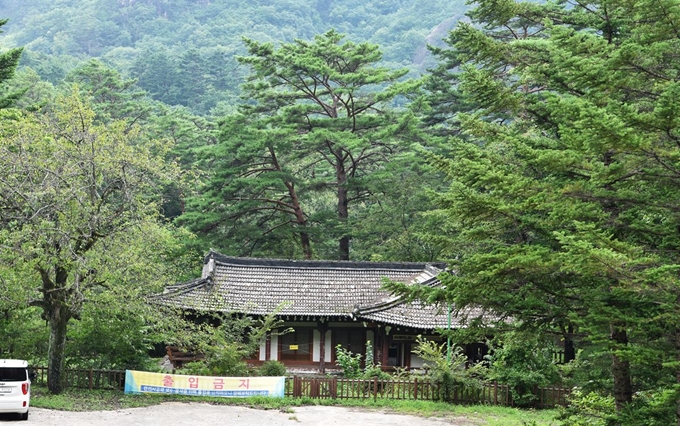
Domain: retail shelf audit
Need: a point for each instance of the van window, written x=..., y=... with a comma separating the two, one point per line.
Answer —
x=12, y=374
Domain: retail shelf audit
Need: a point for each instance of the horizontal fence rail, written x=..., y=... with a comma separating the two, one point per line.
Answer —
x=340, y=388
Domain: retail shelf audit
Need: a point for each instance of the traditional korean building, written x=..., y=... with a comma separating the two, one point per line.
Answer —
x=327, y=303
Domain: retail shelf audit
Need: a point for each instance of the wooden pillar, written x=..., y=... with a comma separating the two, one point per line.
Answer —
x=377, y=346
x=322, y=347
x=385, y=346
x=407, y=355
x=268, y=347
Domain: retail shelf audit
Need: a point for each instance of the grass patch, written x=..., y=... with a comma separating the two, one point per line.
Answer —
x=486, y=415
x=483, y=415
x=92, y=400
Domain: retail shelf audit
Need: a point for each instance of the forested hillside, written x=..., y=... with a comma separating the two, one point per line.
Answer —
x=182, y=51
x=536, y=151
x=129, y=150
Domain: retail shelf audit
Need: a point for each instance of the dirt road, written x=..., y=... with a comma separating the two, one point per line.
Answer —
x=195, y=414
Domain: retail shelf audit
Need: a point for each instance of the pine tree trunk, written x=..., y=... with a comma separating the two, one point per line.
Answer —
x=623, y=388
x=57, y=320
x=569, y=349
x=343, y=211
x=305, y=242
x=306, y=245
x=677, y=371
x=300, y=217
x=344, y=247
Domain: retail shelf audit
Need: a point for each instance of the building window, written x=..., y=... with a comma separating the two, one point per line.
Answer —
x=296, y=345
x=395, y=355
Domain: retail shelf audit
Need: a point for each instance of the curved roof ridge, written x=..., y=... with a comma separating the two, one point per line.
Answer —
x=432, y=267
x=183, y=288
x=392, y=302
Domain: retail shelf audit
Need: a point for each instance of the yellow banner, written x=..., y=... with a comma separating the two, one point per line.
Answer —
x=231, y=387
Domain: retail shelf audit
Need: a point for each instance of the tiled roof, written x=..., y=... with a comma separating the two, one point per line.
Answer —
x=418, y=315
x=331, y=289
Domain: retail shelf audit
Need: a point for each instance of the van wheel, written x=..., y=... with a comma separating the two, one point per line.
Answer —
x=24, y=416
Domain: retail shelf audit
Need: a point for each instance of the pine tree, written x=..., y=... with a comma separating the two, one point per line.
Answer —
x=565, y=177
x=321, y=122
x=8, y=63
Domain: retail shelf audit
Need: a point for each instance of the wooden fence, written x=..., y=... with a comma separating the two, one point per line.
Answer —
x=86, y=378
x=339, y=388
x=490, y=393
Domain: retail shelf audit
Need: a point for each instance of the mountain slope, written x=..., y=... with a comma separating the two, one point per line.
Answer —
x=182, y=51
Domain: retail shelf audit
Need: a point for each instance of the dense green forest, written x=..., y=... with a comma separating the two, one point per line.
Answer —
x=532, y=146
x=181, y=52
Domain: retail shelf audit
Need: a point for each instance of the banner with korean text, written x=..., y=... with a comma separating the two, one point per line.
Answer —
x=230, y=387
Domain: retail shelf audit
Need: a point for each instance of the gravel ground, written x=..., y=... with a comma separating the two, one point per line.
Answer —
x=195, y=414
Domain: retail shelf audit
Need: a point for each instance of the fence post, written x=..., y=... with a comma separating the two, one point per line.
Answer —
x=415, y=388
x=375, y=388
x=90, y=380
x=558, y=399
x=539, y=397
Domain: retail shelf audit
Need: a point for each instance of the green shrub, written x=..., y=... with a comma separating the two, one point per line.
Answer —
x=195, y=368
x=272, y=368
x=523, y=362
x=375, y=371
x=588, y=409
x=371, y=369
x=449, y=368
x=225, y=345
x=223, y=360
x=650, y=408
x=349, y=363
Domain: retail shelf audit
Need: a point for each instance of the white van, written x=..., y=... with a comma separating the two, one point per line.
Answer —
x=15, y=387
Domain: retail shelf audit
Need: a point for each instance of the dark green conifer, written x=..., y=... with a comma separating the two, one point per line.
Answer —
x=8, y=63
x=565, y=179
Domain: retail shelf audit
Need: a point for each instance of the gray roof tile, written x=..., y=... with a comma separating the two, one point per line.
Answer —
x=311, y=288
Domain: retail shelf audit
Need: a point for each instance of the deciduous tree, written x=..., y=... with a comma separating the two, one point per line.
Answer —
x=76, y=201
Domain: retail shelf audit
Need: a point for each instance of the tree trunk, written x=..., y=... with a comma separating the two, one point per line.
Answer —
x=300, y=218
x=677, y=375
x=569, y=349
x=57, y=320
x=623, y=388
x=306, y=245
x=302, y=223
x=677, y=371
x=343, y=212
x=344, y=247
